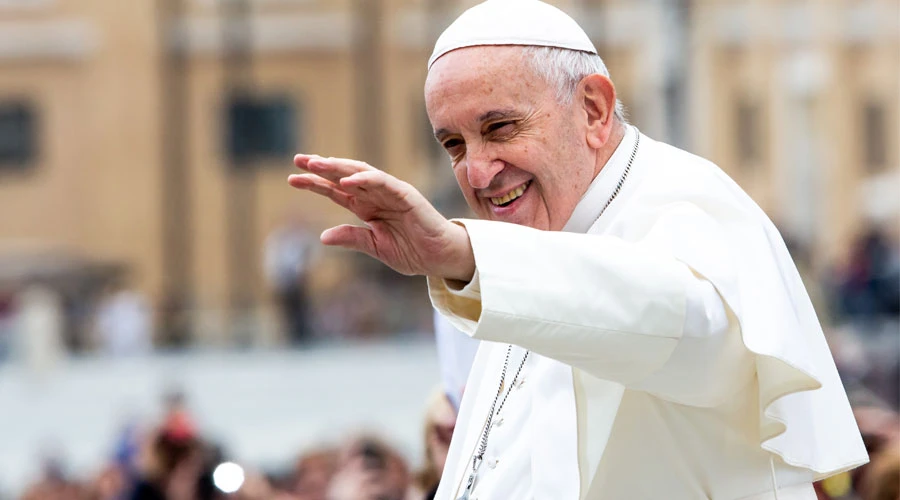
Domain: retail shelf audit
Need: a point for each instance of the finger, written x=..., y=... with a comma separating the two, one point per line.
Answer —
x=353, y=237
x=335, y=169
x=320, y=186
x=347, y=165
x=301, y=160
x=368, y=180
x=380, y=188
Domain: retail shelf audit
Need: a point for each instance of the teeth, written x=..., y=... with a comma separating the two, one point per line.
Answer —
x=508, y=197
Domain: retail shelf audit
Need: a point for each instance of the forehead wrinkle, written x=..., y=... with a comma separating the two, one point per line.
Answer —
x=469, y=76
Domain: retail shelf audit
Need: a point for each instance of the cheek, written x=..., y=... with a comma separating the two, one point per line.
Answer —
x=459, y=172
x=463, y=181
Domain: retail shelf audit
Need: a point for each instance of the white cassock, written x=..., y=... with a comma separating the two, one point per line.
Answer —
x=675, y=352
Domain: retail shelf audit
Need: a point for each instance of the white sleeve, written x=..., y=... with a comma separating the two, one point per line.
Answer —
x=630, y=312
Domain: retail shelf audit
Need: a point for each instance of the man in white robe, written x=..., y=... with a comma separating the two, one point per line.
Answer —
x=645, y=334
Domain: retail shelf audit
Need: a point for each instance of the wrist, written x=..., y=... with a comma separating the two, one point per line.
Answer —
x=462, y=258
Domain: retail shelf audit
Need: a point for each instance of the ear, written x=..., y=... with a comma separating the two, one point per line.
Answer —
x=598, y=99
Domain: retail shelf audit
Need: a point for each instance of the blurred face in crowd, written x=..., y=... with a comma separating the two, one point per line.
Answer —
x=519, y=155
x=369, y=470
x=314, y=473
x=440, y=425
x=110, y=483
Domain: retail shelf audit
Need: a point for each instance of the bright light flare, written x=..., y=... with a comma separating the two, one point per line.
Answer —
x=228, y=477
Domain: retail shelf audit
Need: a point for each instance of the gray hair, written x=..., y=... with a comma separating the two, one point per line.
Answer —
x=564, y=69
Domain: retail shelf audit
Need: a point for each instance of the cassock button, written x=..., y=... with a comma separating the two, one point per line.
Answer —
x=493, y=463
x=520, y=384
x=498, y=422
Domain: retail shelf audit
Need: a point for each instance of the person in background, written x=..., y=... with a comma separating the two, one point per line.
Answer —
x=169, y=466
x=177, y=421
x=111, y=483
x=54, y=483
x=7, y=323
x=440, y=420
x=124, y=322
x=313, y=473
x=867, y=290
x=369, y=469
x=883, y=481
x=288, y=255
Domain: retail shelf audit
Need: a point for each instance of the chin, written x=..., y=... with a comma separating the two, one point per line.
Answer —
x=521, y=221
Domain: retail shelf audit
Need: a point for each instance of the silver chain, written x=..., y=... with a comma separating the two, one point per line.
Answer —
x=621, y=183
x=487, y=428
x=479, y=456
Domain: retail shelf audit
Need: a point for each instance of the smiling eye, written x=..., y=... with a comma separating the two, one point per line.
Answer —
x=452, y=143
x=499, y=126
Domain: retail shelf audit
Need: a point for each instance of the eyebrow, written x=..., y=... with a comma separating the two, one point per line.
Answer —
x=494, y=114
x=497, y=114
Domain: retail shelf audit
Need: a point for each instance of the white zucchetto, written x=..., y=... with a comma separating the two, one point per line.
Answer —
x=512, y=22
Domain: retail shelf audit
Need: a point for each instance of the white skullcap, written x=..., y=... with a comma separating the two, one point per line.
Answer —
x=512, y=22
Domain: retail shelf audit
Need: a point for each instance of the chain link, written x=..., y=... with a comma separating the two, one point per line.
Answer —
x=487, y=428
x=621, y=183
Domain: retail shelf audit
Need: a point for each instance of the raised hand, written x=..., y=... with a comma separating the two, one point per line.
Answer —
x=403, y=229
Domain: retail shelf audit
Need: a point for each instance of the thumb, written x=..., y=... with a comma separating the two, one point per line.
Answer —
x=349, y=236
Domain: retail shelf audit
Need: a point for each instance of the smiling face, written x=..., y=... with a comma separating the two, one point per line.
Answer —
x=518, y=154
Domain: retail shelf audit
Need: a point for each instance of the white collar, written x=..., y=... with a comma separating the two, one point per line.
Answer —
x=603, y=186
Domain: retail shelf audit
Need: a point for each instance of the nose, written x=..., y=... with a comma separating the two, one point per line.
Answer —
x=481, y=168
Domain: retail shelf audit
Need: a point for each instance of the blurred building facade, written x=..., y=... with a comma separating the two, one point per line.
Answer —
x=157, y=134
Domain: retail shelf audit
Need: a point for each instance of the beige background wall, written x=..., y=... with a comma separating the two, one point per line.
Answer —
x=94, y=71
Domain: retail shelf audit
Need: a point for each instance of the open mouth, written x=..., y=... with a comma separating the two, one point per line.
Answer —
x=513, y=195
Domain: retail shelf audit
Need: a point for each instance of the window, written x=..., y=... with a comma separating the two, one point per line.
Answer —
x=260, y=128
x=874, y=138
x=747, y=133
x=18, y=131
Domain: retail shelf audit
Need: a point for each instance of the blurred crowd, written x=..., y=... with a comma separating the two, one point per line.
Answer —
x=864, y=299
x=864, y=331
x=172, y=460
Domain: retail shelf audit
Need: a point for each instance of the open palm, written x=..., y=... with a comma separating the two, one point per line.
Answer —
x=403, y=229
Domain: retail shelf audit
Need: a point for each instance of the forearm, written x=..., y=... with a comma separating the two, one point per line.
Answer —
x=459, y=267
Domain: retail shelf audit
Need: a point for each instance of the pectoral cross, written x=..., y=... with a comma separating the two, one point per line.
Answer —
x=470, y=485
